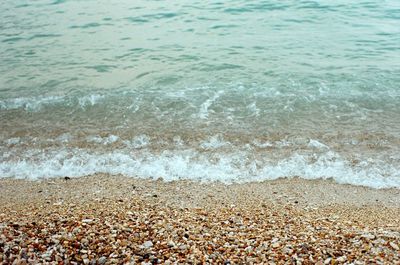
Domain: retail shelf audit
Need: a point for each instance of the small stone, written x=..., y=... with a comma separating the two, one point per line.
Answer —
x=368, y=236
x=394, y=246
x=102, y=260
x=341, y=259
x=23, y=254
x=87, y=221
x=248, y=249
x=276, y=245
x=183, y=247
x=147, y=244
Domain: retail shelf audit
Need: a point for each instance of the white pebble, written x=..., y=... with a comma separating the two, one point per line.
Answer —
x=394, y=246
x=147, y=244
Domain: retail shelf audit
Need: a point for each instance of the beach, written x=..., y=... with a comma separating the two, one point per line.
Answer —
x=201, y=132
x=105, y=219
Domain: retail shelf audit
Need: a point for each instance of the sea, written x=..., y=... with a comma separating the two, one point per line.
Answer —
x=233, y=91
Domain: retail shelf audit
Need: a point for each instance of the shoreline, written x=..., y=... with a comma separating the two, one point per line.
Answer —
x=318, y=192
x=314, y=221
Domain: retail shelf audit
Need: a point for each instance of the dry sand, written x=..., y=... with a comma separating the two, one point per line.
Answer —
x=106, y=219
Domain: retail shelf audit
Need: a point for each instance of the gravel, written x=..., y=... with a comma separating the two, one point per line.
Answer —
x=106, y=219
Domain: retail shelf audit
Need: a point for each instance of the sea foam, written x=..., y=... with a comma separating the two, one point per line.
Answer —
x=227, y=167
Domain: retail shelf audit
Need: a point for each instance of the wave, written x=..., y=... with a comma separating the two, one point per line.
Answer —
x=213, y=162
x=30, y=104
x=35, y=104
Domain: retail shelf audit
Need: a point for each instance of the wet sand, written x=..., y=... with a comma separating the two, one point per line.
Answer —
x=105, y=219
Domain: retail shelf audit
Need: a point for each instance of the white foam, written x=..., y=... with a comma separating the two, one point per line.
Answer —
x=214, y=142
x=259, y=144
x=317, y=144
x=283, y=143
x=178, y=141
x=103, y=140
x=35, y=104
x=253, y=108
x=64, y=138
x=29, y=104
x=138, y=142
x=13, y=141
x=111, y=139
x=90, y=100
x=203, y=113
x=135, y=105
x=204, y=166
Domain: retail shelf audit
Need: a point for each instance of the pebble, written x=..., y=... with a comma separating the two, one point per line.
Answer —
x=394, y=245
x=102, y=260
x=147, y=244
x=183, y=247
x=368, y=236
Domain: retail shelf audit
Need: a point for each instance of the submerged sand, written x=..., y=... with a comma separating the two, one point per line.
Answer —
x=105, y=219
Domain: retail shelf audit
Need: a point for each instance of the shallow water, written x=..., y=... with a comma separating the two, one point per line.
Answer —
x=234, y=91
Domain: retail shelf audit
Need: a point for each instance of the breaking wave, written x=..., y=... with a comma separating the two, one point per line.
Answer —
x=215, y=159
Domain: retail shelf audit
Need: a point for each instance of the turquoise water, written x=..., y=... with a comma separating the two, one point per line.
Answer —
x=232, y=91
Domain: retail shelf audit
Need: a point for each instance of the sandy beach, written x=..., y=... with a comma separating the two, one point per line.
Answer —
x=105, y=219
